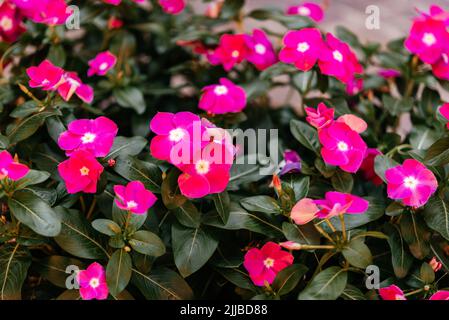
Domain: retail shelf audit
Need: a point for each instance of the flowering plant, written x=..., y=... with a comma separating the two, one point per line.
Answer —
x=120, y=176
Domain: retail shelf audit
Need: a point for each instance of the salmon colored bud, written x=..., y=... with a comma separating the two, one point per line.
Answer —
x=435, y=264
x=213, y=9
x=277, y=184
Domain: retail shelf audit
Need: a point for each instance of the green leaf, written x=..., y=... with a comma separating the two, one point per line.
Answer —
x=135, y=221
x=306, y=234
x=249, y=168
x=422, y=137
x=53, y=268
x=57, y=55
x=133, y=169
x=171, y=196
x=306, y=135
x=381, y=164
x=106, y=226
x=146, y=242
x=342, y=181
x=33, y=177
x=358, y=254
x=231, y=9
x=438, y=153
x=237, y=277
x=126, y=147
x=192, y=248
x=77, y=236
x=263, y=204
x=400, y=257
x=130, y=97
x=162, y=284
x=300, y=185
x=14, y=263
x=396, y=106
x=416, y=234
x=118, y=271
x=28, y=126
x=188, y=215
x=326, y=285
x=222, y=203
x=427, y=274
x=352, y=293
x=436, y=215
x=287, y=279
x=35, y=213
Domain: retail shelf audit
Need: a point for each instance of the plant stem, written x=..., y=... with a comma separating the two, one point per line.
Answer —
x=313, y=247
x=324, y=233
x=343, y=226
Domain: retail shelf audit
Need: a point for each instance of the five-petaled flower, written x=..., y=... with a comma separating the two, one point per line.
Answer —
x=101, y=64
x=134, y=197
x=92, y=282
x=223, y=98
x=11, y=168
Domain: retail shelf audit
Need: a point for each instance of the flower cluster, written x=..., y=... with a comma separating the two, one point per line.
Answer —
x=393, y=292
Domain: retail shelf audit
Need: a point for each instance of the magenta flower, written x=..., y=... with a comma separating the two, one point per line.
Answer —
x=320, y=117
x=338, y=60
x=334, y=204
x=302, y=48
x=436, y=13
x=46, y=76
x=80, y=172
x=440, y=295
x=264, y=264
x=93, y=135
x=307, y=9
x=367, y=167
x=11, y=168
x=389, y=73
x=231, y=50
x=170, y=129
x=441, y=68
x=172, y=6
x=392, y=292
x=72, y=85
x=101, y=64
x=342, y=146
x=50, y=12
x=411, y=182
x=444, y=111
x=92, y=283
x=261, y=52
x=134, y=197
x=223, y=98
x=428, y=39
x=292, y=162
x=207, y=172
x=11, y=25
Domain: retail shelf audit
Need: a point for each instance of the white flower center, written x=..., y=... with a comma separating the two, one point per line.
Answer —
x=84, y=171
x=131, y=204
x=342, y=146
x=94, y=283
x=260, y=48
x=6, y=23
x=268, y=263
x=445, y=58
x=235, y=54
x=88, y=137
x=202, y=167
x=303, y=11
x=429, y=39
x=303, y=47
x=410, y=182
x=337, y=55
x=220, y=90
x=176, y=135
x=45, y=81
x=4, y=172
x=103, y=66
x=399, y=297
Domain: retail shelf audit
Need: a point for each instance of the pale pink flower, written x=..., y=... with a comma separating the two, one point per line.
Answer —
x=92, y=282
x=392, y=292
x=10, y=168
x=101, y=64
x=93, y=135
x=264, y=264
x=411, y=182
x=46, y=76
x=134, y=197
x=355, y=123
x=223, y=98
x=307, y=9
x=72, y=84
x=435, y=264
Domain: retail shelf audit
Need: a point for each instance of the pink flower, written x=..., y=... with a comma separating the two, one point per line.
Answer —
x=355, y=123
x=207, y=172
x=170, y=130
x=338, y=60
x=435, y=264
x=72, y=84
x=261, y=52
x=367, y=167
x=172, y=6
x=11, y=25
x=11, y=168
x=96, y=136
x=101, y=64
x=80, y=172
x=354, y=86
x=392, y=292
x=411, y=182
x=428, y=39
x=437, y=13
x=302, y=48
x=46, y=76
x=389, y=73
x=50, y=12
x=444, y=110
x=114, y=23
x=441, y=68
x=113, y=2
x=307, y=9
x=342, y=146
x=440, y=295
x=231, y=50
x=334, y=204
x=223, y=98
x=92, y=283
x=264, y=264
x=134, y=197
x=320, y=117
